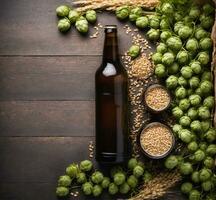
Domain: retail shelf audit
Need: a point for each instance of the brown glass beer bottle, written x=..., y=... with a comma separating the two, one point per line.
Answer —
x=111, y=85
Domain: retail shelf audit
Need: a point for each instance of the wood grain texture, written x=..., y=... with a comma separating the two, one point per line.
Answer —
x=47, y=118
x=29, y=28
x=48, y=78
x=30, y=166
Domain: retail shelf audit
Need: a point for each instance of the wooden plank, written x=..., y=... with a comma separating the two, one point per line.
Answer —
x=48, y=78
x=30, y=166
x=29, y=28
x=47, y=118
x=25, y=159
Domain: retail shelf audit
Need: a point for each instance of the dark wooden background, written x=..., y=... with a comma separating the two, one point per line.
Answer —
x=46, y=97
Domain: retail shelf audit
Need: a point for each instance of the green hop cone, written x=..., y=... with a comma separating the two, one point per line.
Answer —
x=209, y=102
x=162, y=48
x=192, y=146
x=174, y=43
x=138, y=171
x=207, y=76
x=62, y=191
x=73, y=16
x=195, y=177
x=105, y=183
x=186, y=72
x=186, y=168
x=82, y=25
x=64, y=25
x=132, y=181
x=194, y=195
x=186, y=187
x=81, y=178
x=142, y=22
x=168, y=59
x=184, y=104
x=194, y=82
x=122, y=12
x=64, y=181
x=206, y=44
x=171, y=162
x=176, y=129
x=200, y=33
x=211, y=150
x=209, y=162
x=205, y=174
x=185, y=135
x=119, y=178
x=172, y=82
x=196, y=126
x=185, y=32
x=86, y=165
x=210, y=135
x=134, y=51
x=113, y=189
x=97, y=177
x=181, y=93
x=154, y=22
x=97, y=190
x=206, y=87
x=72, y=170
x=182, y=81
x=132, y=163
x=91, y=16
x=185, y=121
x=124, y=188
x=204, y=113
x=208, y=9
x=167, y=8
x=62, y=11
x=203, y=58
x=182, y=57
x=165, y=35
x=207, y=22
x=160, y=71
x=194, y=12
x=153, y=34
x=135, y=13
x=207, y=186
x=195, y=99
x=199, y=155
x=157, y=58
x=196, y=67
x=87, y=188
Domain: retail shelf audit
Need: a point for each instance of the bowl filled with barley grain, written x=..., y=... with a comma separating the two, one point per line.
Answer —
x=156, y=140
x=157, y=98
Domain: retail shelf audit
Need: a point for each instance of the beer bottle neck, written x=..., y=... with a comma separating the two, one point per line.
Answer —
x=110, y=52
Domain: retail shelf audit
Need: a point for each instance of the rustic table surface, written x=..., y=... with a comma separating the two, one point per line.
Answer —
x=46, y=97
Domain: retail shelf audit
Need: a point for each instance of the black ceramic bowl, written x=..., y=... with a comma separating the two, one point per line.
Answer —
x=150, y=108
x=143, y=150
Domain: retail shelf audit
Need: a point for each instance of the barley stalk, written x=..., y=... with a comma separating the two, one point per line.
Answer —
x=111, y=5
x=158, y=186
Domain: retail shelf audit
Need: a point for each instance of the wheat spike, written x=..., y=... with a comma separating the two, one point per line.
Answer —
x=158, y=186
x=111, y=5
